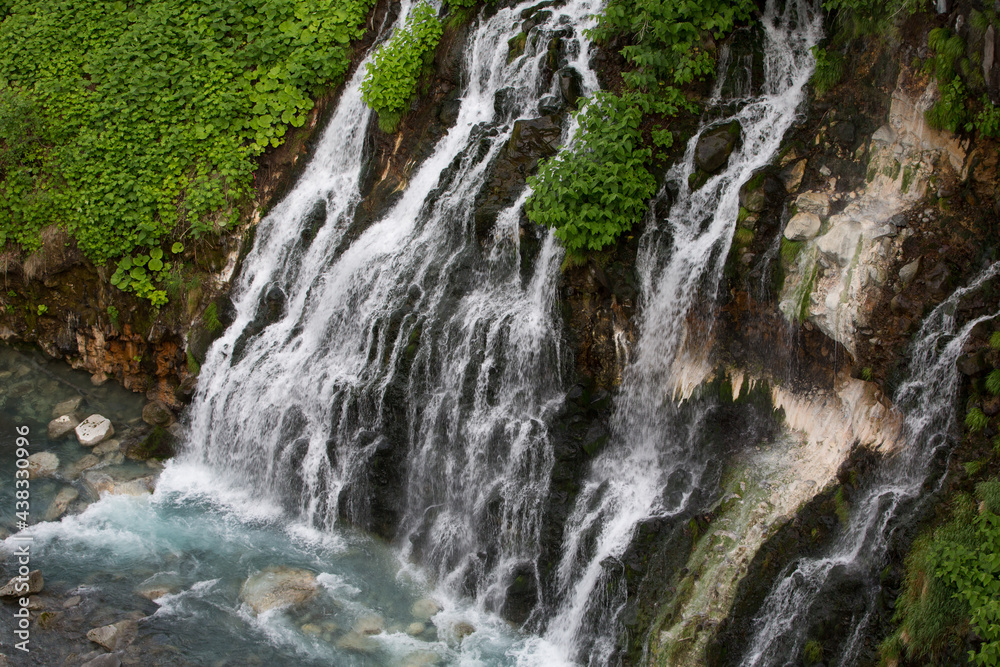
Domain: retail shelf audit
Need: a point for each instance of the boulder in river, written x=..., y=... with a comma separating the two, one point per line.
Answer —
x=278, y=587
x=93, y=430
x=115, y=636
x=60, y=427
x=67, y=407
x=13, y=587
x=61, y=502
x=422, y=610
x=715, y=146
x=156, y=413
x=42, y=464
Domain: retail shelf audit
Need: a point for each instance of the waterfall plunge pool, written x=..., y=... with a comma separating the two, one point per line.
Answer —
x=192, y=544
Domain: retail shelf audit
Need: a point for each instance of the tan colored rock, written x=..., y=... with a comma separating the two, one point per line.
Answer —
x=792, y=176
x=115, y=636
x=802, y=227
x=357, y=643
x=107, y=447
x=61, y=503
x=415, y=629
x=74, y=470
x=278, y=587
x=42, y=464
x=424, y=609
x=369, y=625
x=60, y=427
x=15, y=587
x=813, y=202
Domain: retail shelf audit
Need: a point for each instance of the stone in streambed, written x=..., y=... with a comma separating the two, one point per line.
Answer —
x=357, y=643
x=415, y=629
x=115, y=636
x=15, y=587
x=278, y=587
x=107, y=447
x=98, y=483
x=60, y=427
x=369, y=625
x=67, y=407
x=424, y=609
x=42, y=464
x=93, y=430
x=156, y=413
x=74, y=470
x=61, y=503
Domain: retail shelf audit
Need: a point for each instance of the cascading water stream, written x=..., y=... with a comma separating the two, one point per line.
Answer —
x=650, y=468
x=405, y=381
x=927, y=400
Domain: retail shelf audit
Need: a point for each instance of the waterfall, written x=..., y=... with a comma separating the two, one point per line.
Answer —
x=927, y=399
x=403, y=379
x=652, y=467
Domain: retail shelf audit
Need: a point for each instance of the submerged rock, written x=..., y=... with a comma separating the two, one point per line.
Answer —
x=115, y=636
x=424, y=609
x=61, y=502
x=15, y=587
x=74, y=470
x=369, y=625
x=98, y=483
x=358, y=643
x=107, y=447
x=156, y=413
x=42, y=464
x=415, y=629
x=60, y=427
x=67, y=407
x=93, y=430
x=278, y=587
x=106, y=660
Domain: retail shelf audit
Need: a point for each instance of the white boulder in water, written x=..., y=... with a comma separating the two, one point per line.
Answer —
x=93, y=430
x=278, y=587
x=422, y=610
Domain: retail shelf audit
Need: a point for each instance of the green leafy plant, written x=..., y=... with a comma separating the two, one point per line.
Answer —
x=113, y=315
x=42, y=309
x=949, y=112
x=132, y=123
x=211, y=319
x=829, y=69
x=392, y=74
x=598, y=189
x=976, y=420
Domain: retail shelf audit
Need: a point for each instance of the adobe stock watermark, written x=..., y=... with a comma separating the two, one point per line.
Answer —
x=22, y=548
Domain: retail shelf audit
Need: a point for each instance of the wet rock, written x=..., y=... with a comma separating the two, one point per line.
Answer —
x=311, y=630
x=791, y=176
x=67, y=407
x=900, y=305
x=415, y=629
x=98, y=483
x=72, y=602
x=813, y=202
x=753, y=200
x=421, y=659
x=463, y=630
x=61, y=503
x=550, y=104
x=74, y=470
x=570, y=85
x=357, y=643
x=15, y=587
x=369, y=625
x=60, y=427
x=448, y=115
x=533, y=139
x=971, y=364
x=715, y=146
x=156, y=413
x=115, y=636
x=106, y=660
x=42, y=464
x=844, y=133
x=93, y=430
x=803, y=227
x=278, y=587
x=909, y=272
x=424, y=609
x=107, y=447
x=515, y=46
x=143, y=445
x=522, y=594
